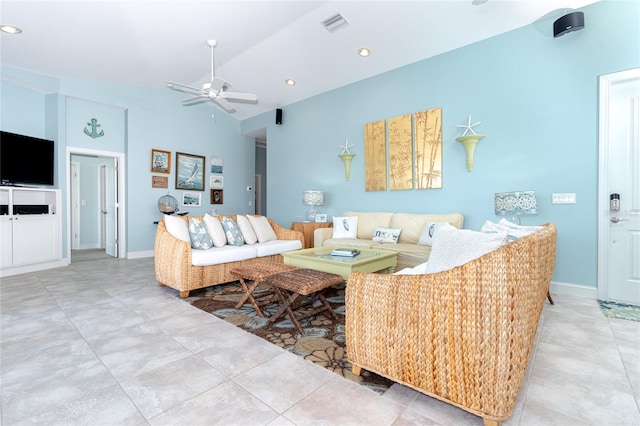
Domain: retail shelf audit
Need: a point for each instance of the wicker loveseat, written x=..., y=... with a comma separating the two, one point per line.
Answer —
x=173, y=260
x=463, y=335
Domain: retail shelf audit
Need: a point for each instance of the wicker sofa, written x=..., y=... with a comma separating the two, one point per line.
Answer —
x=173, y=260
x=462, y=335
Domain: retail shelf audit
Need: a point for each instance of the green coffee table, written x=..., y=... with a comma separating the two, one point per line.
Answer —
x=320, y=259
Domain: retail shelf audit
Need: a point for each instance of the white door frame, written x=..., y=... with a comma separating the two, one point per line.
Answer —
x=122, y=253
x=605, y=84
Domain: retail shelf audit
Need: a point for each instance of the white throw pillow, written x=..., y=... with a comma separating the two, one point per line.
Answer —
x=246, y=229
x=262, y=228
x=386, y=235
x=513, y=230
x=454, y=247
x=177, y=227
x=214, y=227
x=429, y=230
x=345, y=227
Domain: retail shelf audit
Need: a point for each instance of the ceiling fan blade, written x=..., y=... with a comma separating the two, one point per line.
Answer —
x=217, y=84
x=224, y=104
x=198, y=98
x=239, y=96
x=182, y=87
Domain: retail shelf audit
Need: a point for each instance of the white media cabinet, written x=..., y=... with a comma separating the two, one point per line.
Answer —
x=30, y=230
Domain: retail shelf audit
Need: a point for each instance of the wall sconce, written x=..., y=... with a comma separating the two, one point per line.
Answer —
x=469, y=141
x=313, y=198
x=515, y=203
x=346, y=157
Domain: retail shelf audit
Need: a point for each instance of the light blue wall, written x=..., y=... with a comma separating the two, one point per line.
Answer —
x=150, y=118
x=537, y=98
x=535, y=95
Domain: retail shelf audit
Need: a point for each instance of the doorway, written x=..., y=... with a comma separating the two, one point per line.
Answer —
x=95, y=222
x=619, y=187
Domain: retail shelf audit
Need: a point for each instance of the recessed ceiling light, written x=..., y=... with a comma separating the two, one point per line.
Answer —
x=290, y=82
x=364, y=52
x=478, y=2
x=10, y=29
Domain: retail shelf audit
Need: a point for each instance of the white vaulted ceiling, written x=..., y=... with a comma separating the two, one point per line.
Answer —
x=260, y=43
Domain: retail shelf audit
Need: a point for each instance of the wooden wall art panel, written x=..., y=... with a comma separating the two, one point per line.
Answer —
x=375, y=156
x=400, y=153
x=428, y=149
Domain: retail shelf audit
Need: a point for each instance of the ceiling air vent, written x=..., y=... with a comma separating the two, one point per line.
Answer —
x=335, y=23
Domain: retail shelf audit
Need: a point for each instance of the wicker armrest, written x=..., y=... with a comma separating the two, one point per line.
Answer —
x=286, y=234
x=172, y=257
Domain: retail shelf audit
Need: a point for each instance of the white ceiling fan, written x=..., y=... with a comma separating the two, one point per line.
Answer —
x=214, y=91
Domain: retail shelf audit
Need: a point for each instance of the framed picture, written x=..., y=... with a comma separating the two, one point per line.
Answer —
x=189, y=171
x=159, y=181
x=190, y=198
x=321, y=218
x=160, y=161
x=216, y=165
x=216, y=181
x=217, y=196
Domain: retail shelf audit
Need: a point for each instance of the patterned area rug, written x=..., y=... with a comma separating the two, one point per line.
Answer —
x=620, y=310
x=323, y=341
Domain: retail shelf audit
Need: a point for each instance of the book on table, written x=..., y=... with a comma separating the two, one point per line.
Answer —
x=347, y=252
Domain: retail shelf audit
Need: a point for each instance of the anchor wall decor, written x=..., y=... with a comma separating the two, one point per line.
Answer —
x=93, y=133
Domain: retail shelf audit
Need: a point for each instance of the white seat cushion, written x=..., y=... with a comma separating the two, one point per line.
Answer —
x=272, y=247
x=218, y=255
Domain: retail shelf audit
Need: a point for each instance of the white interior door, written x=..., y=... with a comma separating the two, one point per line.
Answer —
x=75, y=205
x=111, y=207
x=619, y=231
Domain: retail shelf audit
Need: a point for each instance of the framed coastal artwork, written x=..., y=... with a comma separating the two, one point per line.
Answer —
x=189, y=171
x=193, y=199
x=160, y=161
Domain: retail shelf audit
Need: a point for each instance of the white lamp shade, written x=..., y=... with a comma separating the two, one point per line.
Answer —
x=313, y=198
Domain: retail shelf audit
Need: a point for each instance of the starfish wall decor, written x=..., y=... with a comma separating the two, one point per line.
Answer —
x=468, y=127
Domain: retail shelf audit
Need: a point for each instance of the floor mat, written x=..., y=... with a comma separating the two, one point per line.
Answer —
x=620, y=310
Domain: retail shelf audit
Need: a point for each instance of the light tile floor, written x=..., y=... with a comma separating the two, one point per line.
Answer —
x=100, y=343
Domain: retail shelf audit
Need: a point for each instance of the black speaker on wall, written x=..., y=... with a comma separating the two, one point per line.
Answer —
x=278, y=116
x=573, y=21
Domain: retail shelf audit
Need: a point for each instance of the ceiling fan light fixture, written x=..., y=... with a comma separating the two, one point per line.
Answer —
x=290, y=82
x=364, y=52
x=10, y=29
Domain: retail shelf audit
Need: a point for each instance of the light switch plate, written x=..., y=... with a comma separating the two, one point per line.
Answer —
x=563, y=198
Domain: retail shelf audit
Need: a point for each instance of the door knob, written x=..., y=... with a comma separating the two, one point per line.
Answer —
x=618, y=220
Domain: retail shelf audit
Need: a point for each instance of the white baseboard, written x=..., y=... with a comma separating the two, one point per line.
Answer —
x=140, y=254
x=578, y=290
x=17, y=270
x=89, y=246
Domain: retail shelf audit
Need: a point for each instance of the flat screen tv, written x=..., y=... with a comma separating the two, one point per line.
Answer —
x=25, y=160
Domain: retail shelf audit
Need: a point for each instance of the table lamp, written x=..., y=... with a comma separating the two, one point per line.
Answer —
x=515, y=203
x=313, y=198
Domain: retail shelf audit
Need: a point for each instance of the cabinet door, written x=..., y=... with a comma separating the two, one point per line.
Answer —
x=6, y=256
x=35, y=239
